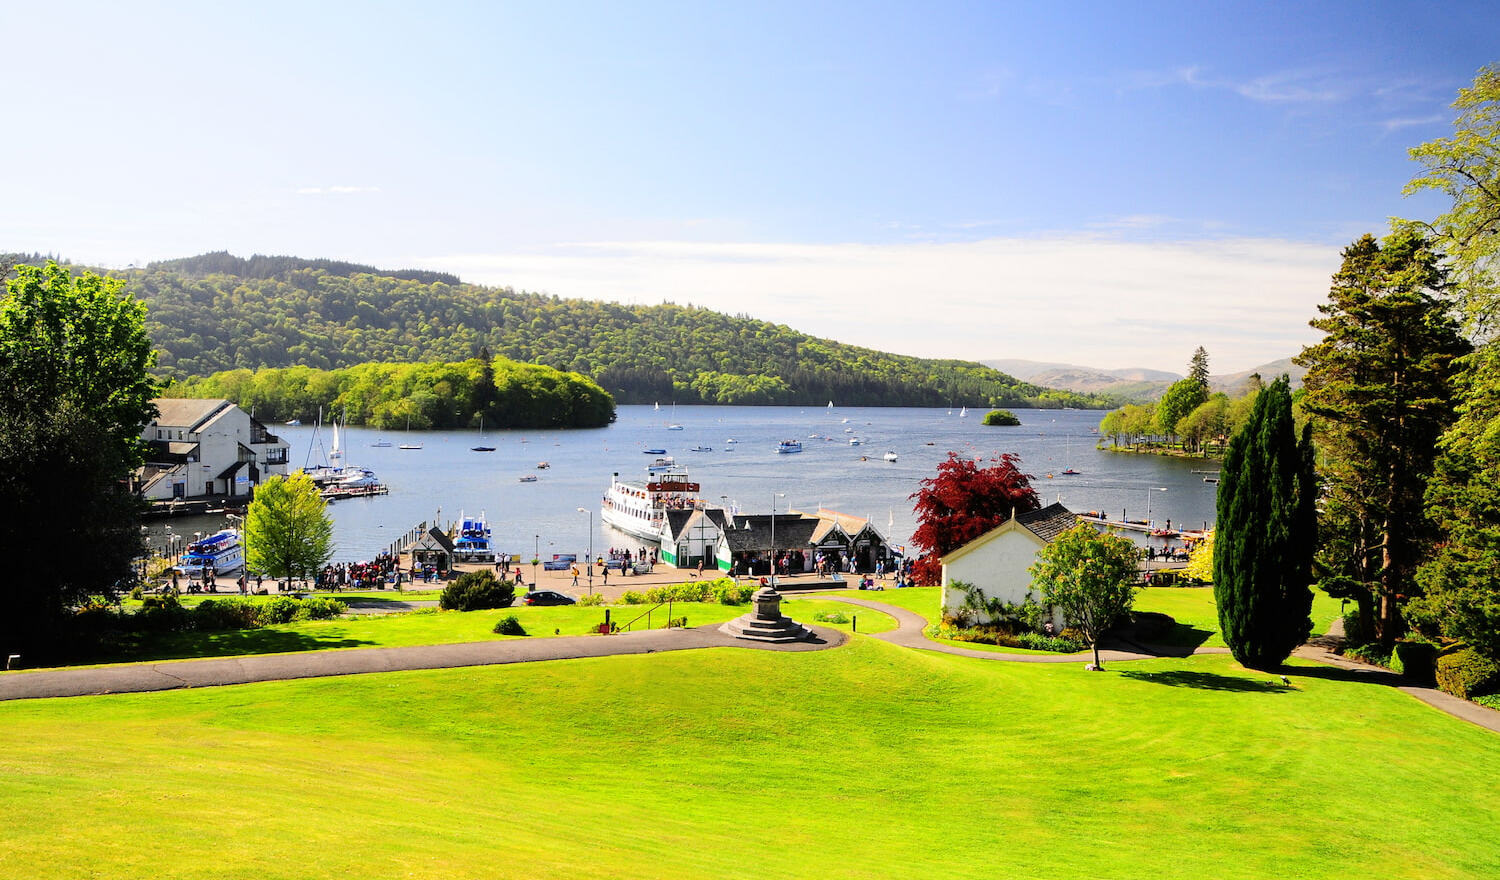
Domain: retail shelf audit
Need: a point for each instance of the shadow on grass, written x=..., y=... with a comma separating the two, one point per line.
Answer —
x=1208, y=681
x=233, y=643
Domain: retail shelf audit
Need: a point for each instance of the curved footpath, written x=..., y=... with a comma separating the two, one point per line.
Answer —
x=161, y=676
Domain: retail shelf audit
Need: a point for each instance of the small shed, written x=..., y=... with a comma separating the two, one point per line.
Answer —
x=997, y=562
x=433, y=548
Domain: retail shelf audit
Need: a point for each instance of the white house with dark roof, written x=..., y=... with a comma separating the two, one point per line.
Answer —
x=997, y=562
x=199, y=448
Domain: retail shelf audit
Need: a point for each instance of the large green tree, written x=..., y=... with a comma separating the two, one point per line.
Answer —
x=1379, y=389
x=1461, y=584
x=1090, y=577
x=287, y=530
x=1466, y=167
x=74, y=397
x=1263, y=543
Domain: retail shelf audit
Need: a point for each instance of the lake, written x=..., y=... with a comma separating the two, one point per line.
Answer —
x=445, y=478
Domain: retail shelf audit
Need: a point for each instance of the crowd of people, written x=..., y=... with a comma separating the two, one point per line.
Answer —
x=359, y=575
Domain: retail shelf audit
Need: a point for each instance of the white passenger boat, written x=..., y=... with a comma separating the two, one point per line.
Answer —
x=473, y=541
x=789, y=446
x=220, y=551
x=639, y=507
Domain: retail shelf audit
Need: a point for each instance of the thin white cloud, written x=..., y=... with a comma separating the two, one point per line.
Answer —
x=1083, y=300
x=1396, y=124
x=335, y=190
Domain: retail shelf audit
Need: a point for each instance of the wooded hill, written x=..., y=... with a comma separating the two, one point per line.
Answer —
x=218, y=312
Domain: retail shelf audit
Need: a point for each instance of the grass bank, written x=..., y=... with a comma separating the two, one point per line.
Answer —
x=866, y=761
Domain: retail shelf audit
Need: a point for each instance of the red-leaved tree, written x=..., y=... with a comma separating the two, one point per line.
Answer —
x=963, y=502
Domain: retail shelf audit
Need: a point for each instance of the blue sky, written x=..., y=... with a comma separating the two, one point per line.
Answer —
x=1101, y=183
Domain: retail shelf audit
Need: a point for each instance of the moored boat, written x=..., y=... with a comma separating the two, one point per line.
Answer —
x=220, y=552
x=889, y=456
x=472, y=544
x=639, y=507
x=789, y=446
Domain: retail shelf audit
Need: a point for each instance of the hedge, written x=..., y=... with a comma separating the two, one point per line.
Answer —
x=1467, y=673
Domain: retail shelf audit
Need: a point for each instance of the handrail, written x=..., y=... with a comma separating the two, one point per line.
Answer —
x=646, y=614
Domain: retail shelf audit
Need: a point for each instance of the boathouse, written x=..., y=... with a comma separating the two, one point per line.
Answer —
x=746, y=546
x=206, y=448
x=690, y=535
x=997, y=563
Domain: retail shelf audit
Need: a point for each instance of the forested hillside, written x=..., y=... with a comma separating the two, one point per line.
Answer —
x=218, y=312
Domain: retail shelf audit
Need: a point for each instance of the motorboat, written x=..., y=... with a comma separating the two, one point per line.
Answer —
x=220, y=553
x=889, y=456
x=789, y=446
x=472, y=544
x=528, y=478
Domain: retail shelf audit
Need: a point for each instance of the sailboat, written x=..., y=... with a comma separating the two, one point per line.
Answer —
x=408, y=430
x=482, y=447
x=963, y=412
x=673, y=426
x=1069, y=455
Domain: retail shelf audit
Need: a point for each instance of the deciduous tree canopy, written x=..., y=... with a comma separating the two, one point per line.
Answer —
x=963, y=501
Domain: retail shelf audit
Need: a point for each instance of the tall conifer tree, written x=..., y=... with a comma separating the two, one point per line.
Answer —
x=1267, y=529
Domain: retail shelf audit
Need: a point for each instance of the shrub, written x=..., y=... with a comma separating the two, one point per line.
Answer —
x=1490, y=700
x=221, y=614
x=727, y=592
x=1354, y=630
x=1416, y=660
x=1467, y=673
x=320, y=608
x=475, y=591
x=831, y=617
x=509, y=626
x=632, y=597
x=678, y=622
x=1044, y=642
x=595, y=599
x=1371, y=653
x=136, y=594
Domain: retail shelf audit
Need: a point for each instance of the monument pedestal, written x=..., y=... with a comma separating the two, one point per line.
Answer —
x=766, y=623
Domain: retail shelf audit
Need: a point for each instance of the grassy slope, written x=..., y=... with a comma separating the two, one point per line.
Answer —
x=867, y=761
x=451, y=627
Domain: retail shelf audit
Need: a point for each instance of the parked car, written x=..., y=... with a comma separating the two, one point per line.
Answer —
x=548, y=597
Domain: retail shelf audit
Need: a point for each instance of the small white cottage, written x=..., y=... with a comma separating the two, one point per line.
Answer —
x=997, y=561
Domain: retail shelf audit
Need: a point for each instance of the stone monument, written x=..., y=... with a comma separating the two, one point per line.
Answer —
x=766, y=623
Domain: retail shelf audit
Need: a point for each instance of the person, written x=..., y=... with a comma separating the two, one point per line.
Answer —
x=574, y=570
x=700, y=566
x=604, y=571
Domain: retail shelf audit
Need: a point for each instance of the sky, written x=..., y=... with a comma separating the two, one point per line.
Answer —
x=1110, y=184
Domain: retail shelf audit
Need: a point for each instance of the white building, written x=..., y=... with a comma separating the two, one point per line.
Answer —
x=198, y=448
x=997, y=562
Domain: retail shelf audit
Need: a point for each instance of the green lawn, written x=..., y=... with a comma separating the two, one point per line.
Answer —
x=1198, y=619
x=432, y=627
x=868, y=761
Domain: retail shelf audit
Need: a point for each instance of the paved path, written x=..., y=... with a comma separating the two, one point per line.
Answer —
x=138, y=677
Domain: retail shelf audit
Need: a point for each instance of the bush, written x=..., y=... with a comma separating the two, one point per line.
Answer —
x=136, y=594
x=831, y=617
x=1371, y=653
x=1354, y=630
x=1416, y=660
x=282, y=609
x=1044, y=642
x=320, y=608
x=677, y=622
x=595, y=599
x=632, y=597
x=476, y=591
x=221, y=614
x=727, y=592
x=509, y=626
x=1467, y=673
x=1490, y=700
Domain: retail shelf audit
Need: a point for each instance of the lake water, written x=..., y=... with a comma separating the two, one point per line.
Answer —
x=445, y=478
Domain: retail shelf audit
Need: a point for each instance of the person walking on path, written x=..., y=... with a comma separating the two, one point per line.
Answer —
x=575, y=575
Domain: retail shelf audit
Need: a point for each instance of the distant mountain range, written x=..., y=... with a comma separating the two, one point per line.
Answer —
x=1131, y=383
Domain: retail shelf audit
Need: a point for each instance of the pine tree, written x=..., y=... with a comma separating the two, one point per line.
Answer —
x=1267, y=527
x=1380, y=391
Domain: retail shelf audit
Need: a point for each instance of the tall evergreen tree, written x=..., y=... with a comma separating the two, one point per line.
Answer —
x=1267, y=526
x=1198, y=368
x=1380, y=390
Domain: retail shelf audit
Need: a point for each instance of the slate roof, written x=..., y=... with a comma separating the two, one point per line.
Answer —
x=752, y=532
x=1048, y=522
x=187, y=412
x=677, y=520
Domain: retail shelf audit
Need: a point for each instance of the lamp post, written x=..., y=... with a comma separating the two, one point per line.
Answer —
x=591, y=547
x=536, y=553
x=1149, y=490
x=774, y=496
